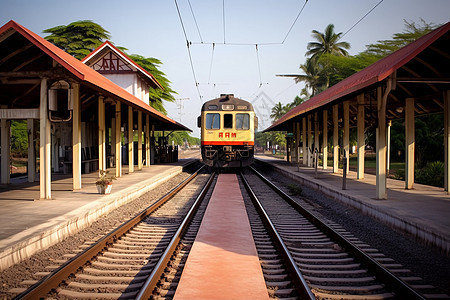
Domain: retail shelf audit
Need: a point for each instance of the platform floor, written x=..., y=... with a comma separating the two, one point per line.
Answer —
x=223, y=262
x=423, y=212
x=28, y=225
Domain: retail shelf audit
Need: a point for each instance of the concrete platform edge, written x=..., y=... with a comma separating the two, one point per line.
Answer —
x=64, y=229
x=418, y=231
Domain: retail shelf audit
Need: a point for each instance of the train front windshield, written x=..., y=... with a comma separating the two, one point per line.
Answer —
x=212, y=121
x=242, y=121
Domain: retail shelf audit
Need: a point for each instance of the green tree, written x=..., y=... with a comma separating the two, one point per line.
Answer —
x=313, y=76
x=341, y=67
x=19, y=138
x=78, y=38
x=327, y=42
x=152, y=65
x=411, y=33
x=277, y=111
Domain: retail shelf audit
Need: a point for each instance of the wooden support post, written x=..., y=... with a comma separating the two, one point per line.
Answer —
x=446, y=96
x=381, y=191
x=360, y=140
x=139, y=140
x=297, y=141
x=316, y=133
x=147, y=140
x=409, y=143
x=44, y=147
x=346, y=137
x=304, y=141
x=309, y=144
x=130, y=140
x=101, y=135
x=325, y=139
x=31, y=151
x=118, y=139
x=76, y=138
x=113, y=139
x=335, y=138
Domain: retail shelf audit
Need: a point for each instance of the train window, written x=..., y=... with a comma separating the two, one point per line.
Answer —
x=212, y=121
x=227, y=121
x=242, y=121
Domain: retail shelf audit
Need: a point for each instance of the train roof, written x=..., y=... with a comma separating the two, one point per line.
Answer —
x=227, y=103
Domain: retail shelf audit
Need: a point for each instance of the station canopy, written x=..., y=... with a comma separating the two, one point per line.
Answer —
x=25, y=58
x=421, y=71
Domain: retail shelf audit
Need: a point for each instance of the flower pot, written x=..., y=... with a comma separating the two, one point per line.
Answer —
x=104, y=189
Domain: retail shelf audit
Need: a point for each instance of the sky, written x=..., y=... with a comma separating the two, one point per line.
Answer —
x=254, y=40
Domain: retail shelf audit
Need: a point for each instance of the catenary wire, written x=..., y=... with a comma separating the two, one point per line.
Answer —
x=295, y=21
x=223, y=19
x=195, y=21
x=189, y=51
x=362, y=18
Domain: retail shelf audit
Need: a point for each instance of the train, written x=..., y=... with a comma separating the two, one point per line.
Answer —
x=228, y=127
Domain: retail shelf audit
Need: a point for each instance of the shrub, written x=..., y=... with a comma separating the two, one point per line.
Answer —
x=294, y=189
x=431, y=174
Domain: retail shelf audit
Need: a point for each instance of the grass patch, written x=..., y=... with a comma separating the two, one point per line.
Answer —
x=294, y=189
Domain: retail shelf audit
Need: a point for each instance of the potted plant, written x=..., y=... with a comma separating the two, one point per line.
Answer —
x=104, y=182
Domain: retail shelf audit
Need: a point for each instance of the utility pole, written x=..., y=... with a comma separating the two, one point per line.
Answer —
x=180, y=105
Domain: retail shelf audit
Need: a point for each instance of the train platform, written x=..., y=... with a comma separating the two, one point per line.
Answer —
x=223, y=262
x=28, y=225
x=422, y=212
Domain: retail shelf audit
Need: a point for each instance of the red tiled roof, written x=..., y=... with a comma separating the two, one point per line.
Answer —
x=85, y=73
x=374, y=73
x=142, y=70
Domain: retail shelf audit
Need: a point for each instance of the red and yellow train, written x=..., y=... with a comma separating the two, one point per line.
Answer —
x=228, y=127
x=227, y=132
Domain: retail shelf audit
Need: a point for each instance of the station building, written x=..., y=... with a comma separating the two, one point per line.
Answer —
x=82, y=116
x=413, y=81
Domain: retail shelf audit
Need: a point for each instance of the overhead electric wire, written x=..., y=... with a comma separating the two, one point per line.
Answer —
x=189, y=51
x=195, y=21
x=259, y=66
x=362, y=18
x=223, y=20
x=211, y=64
x=295, y=21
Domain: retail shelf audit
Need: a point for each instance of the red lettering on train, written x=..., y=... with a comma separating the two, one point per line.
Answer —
x=221, y=134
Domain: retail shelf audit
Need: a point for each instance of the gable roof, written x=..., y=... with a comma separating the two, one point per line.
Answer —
x=108, y=46
x=369, y=76
x=87, y=75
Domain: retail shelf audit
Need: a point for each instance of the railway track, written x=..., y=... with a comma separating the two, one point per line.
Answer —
x=333, y=263
x=300, y=255
x=119, y=264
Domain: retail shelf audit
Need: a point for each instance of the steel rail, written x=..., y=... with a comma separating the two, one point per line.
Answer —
x=403, y=289
x=48, y=283
x=296, y=275
x=151, y=282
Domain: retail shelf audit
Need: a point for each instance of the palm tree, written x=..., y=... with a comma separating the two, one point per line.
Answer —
x=327, y=42
x=314, y=79
x=278, y=111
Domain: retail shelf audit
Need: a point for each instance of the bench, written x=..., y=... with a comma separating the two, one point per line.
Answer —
x=88, y=163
